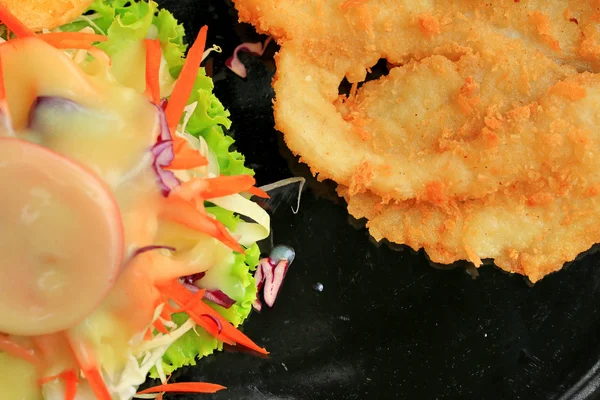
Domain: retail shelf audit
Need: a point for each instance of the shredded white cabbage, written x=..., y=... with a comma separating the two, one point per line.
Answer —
x=248, y=233
x=145, y=355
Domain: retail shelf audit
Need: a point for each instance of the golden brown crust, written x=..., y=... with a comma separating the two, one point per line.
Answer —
x=481, y=142
x=46, y=14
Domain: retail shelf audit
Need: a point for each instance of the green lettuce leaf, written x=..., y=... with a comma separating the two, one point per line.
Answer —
x=209, y=120
x=226, y=217
x=237, y=282
x=126, y=23
x=187, y=349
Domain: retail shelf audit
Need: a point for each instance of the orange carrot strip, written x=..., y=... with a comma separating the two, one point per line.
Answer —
x=184, y=213
x=72, y=40
x=187, y=161
x=153, y=58
x=185, y=387
x=97, y=384
x=2, y=86
x=185, y=156
x=71, y=44
x=16, y=350
x=148, y=335
x=159, y=326
x=208, y=188
x=168, y=309
x=254, y=191
x=226, y=185
x=13, y=24
x=70, y=378
x=186, y=301
x=185, y=82
x=166, y=313
x=3, y=103
x=82, y=37
x=86, y=362
x=190, y=299
x=181, y=296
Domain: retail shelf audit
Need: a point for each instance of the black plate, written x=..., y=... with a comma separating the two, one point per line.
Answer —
x=386, y=325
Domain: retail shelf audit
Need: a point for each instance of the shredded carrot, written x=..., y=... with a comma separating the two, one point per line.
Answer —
x=166, y=312
x=75, y=37
x=13, y=24
x=2, y=86
x=70, y=378
x=187, y=301
x=185, y=82
x=185, y=387
x=153, y=59
x=184, y=213
x=191, y=300
x=16, y=350
x=148, y=335
x=195, y=309
x=210, y=188
x=71, y=44
x=187, y=158
x=3, y=103
x=254, y=191
x=86, y=363
x=97, y=384
x=159, y=326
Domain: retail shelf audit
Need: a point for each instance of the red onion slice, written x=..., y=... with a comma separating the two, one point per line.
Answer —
x=164, y=133
x=215, y=320
x=193, y=278
x=163, y=156
x=234, y=63
x=219, y=298
x=215, y=296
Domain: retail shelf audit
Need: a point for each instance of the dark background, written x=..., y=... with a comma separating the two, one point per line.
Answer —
x=387, y=324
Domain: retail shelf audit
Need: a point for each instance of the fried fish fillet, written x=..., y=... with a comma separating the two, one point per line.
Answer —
x=524, y=237
x=311, y=67
x=482, y=140
x=46, y=14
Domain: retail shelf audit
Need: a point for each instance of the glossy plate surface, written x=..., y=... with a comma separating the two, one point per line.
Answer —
x=387, y=324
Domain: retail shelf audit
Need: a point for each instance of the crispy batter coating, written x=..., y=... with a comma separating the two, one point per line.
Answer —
x=48, y=14
x=482, y=140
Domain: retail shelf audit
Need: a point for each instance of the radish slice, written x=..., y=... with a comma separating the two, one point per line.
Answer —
x=50, y=256
x=270, y=274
